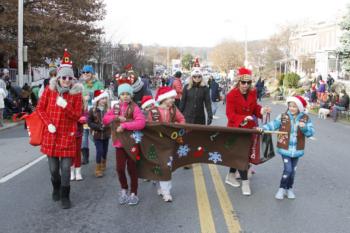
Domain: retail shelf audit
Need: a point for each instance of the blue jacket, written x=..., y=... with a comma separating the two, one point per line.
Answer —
x=308, y=131
x=214, y=91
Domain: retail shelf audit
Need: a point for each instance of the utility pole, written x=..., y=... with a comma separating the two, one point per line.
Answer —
x=245, y=47
x=20, y=43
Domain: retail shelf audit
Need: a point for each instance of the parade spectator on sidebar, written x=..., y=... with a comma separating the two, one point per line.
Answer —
x=342, y=105
x=52, y=74
x=60, y=108
x=3, y=85
x=330, y=82
x=2, y=106
x=215, y=96
x=177, y=86
x=242, y=110
x=260, y=88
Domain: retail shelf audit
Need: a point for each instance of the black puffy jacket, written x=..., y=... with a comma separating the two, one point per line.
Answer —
x=192, y=104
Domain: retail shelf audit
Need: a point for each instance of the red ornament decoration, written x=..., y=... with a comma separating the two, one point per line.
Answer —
x=138, y=157
x=199, y=152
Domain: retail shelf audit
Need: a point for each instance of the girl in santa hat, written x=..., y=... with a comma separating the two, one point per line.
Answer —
x=126, y=116
x=100, y=132
x=291, y=146
x=166, y=112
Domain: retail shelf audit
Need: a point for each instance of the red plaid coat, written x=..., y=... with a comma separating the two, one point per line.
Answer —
x=63, y=142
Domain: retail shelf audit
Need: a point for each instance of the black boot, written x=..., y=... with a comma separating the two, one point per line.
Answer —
x=85, y=152
x=65, y=201
x=56, y=190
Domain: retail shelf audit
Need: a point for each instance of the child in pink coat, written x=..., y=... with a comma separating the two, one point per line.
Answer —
x=131, y=118
x=166, y=112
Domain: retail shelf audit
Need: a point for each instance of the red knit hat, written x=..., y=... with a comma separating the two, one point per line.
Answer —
x=165, y=93
x=146, y=101
x=244, y=74
x=299, y=101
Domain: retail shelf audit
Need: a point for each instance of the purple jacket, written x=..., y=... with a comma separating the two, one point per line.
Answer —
x=137, y=123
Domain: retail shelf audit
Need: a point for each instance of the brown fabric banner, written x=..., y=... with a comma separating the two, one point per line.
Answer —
x=161, y=148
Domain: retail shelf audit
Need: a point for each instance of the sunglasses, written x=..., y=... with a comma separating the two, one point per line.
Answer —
x=246, y=82
x=67, y=78
x=85, y=72
x=197, y=76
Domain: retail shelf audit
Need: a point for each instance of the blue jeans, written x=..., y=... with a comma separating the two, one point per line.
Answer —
x=290, y=165
x=101, y=149
x=214, y=107
x=85, y=141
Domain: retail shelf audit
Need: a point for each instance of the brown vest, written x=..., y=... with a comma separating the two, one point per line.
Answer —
x=129, y=117
x=155, y=113
x=283, y=139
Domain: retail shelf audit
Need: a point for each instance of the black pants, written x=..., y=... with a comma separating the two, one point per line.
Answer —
x=177, y=103
x=243, y=174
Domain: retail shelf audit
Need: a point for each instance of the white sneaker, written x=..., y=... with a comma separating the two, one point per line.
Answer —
x=231, y=180
x=290, y=194
x=280, y=194
x=123, y=197
x=167, y=197
x=78, y=175
x=246, y=188
x=72, y=173
x=159, y=192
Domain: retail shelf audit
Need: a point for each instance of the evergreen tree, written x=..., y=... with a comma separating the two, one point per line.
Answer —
x=344, y=50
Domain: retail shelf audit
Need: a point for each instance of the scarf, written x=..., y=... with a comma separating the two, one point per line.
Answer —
x=137, y=86
x=62, y=90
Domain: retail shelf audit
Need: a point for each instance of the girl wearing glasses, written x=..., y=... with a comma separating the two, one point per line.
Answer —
x=60, y=107
x=241, y=110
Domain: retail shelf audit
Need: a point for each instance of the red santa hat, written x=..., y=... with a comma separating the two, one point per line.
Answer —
x=244, y=74
x=66, y=61
x=299, y=101
x=98, y=95
x=165, y=93
x=146, y=101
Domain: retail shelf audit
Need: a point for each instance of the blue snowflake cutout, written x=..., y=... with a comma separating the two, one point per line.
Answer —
x=137, y=136
x=215, y=157
x=183, y=150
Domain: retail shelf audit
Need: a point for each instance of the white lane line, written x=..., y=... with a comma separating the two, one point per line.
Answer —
x=20, y=170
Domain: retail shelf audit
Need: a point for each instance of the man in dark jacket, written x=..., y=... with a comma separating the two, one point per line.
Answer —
x=214, y=95
x=139, y=88
x=341, y=106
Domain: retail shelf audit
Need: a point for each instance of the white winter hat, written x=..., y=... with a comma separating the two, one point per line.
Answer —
x=196, y=72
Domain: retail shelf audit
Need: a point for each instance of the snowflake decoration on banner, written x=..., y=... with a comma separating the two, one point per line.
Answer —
x=170, y=163
x=183, y=151
x=215, y=157
x=137, y=136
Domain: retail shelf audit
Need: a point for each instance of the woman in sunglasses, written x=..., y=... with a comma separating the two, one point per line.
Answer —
x=241, y=110
x=60, y=107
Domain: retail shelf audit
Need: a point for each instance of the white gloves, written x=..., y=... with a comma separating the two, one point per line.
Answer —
x=61, y=102
x=51, y=128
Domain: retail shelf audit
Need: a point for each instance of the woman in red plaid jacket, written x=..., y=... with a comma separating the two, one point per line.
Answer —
x=60, y=108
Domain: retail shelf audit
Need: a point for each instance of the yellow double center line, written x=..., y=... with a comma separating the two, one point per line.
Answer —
x=205, y=214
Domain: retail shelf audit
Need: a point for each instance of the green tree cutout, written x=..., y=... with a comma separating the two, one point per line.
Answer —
x=152, y=154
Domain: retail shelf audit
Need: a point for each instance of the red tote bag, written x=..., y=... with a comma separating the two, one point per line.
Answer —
x=35, y=127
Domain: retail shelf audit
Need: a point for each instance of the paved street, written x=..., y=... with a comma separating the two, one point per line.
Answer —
x=321, y=186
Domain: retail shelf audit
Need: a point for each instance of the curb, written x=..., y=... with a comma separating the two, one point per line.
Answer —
x=11, y=125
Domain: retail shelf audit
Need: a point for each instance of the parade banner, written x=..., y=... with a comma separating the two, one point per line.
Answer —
x=161, y=148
